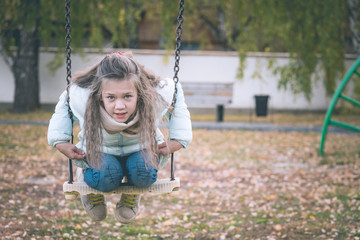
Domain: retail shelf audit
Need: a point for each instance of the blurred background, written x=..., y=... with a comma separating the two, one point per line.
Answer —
x=263, y=181
x=293, y=52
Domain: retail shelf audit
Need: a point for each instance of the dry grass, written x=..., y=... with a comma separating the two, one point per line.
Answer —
x=234, y=185
x=38, y=115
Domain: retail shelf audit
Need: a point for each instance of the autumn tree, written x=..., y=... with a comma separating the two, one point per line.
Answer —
x=27, y=25
x=23, y=60
x=316, y=34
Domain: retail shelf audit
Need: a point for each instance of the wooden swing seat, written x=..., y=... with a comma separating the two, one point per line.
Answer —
x=166, y=185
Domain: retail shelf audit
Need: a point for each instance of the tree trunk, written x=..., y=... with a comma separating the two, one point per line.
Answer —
x=132, y=26
x=219, y=29
x=221, y=32
x=25, y=69
x=352, y=8
x=133, y=37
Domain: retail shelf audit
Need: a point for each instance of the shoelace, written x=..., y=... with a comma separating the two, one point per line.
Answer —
x=129, y=200
x=95, y=199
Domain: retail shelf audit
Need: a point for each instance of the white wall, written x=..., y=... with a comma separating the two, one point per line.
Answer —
x=194, y=66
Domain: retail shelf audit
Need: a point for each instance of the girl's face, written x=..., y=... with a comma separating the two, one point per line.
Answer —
x=119, y=98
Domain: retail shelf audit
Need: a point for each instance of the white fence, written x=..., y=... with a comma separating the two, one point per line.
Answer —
x=195, y=66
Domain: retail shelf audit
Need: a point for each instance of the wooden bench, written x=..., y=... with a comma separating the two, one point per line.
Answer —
x=208, y=94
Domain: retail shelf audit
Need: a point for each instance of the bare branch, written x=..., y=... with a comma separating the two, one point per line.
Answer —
x=212, y=28
x=8, y=57
x=352, y=8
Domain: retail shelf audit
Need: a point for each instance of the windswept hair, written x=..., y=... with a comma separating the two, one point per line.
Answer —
x=120, y=67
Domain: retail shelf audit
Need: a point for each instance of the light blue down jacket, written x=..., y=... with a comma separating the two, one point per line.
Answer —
x=60, y=127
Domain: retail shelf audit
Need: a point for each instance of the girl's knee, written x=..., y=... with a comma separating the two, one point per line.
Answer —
x=143, y=180
x=139, y=174
x=106, y=179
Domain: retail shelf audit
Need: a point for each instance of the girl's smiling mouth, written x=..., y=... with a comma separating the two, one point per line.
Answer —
x=120, y=115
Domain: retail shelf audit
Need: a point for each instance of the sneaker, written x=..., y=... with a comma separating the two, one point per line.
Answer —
x=127, y=208
x=94, y=205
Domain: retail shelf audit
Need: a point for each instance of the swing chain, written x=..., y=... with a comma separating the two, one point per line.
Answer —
x=68, y=40
x=68, y=55
x=180, y=20
x=68, y=76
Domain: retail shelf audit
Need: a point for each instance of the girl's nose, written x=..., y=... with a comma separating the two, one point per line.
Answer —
x=119, y=104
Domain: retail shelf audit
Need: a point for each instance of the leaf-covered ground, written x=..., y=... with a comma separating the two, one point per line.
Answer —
x=285, y=118
x=234, y=185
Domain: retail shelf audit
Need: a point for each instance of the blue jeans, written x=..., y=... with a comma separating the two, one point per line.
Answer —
x=115, y=168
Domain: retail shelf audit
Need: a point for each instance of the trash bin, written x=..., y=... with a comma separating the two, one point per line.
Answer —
x=261, y=105
x=219, y=113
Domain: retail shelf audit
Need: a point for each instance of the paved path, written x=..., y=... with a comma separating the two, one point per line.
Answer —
x=264, y=127
x=41, y=123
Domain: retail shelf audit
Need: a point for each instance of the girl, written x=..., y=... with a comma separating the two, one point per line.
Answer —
x=119, y=106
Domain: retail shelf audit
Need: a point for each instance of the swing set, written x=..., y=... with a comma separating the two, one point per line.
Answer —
x=73, y=189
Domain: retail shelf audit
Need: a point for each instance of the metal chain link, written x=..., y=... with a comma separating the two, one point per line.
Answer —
x=68, y=55
x=68, y=40
x=180, y=20
x=68, y=76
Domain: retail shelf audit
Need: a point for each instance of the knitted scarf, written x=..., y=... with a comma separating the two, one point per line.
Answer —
x=111, y=126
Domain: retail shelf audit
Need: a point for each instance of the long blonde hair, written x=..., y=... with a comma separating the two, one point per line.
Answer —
x=120, y=67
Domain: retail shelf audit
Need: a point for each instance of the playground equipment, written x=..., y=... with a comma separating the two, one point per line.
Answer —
x=73, y=189
x=338, y=94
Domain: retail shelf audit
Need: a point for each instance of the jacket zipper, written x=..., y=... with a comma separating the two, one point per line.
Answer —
x=120, y=143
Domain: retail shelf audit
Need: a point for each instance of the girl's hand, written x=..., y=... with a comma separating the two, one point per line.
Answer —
x=70, y=150
x=169, y=146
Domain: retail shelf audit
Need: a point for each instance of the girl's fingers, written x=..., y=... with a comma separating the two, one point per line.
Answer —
x=70, y=151
x=161, y=145
x=169, y=146
x=163, y=151
x=77, y=153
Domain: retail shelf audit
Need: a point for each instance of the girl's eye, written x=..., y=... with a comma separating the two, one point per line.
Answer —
x=110, y=97
x=128, y=96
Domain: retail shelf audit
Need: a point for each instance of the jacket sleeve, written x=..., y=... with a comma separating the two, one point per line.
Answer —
x=60, y=126
x=180, y=128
